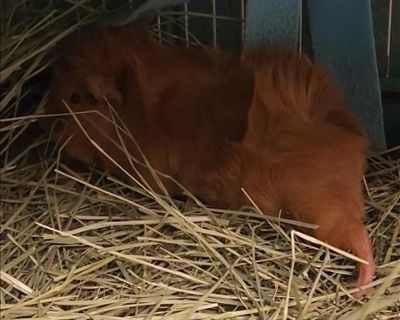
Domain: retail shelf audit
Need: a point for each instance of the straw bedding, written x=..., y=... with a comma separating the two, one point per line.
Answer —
x=82, y=245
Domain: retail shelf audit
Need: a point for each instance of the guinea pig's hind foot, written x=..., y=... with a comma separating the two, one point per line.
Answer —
x=361, y=247
x=365, y=276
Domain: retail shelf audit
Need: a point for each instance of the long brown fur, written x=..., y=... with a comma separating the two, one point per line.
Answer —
x=269, y=121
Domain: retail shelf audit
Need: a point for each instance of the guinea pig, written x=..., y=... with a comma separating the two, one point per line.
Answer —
x=268, y=121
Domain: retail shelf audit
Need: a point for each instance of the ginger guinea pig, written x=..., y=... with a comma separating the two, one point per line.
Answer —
x=269, y=121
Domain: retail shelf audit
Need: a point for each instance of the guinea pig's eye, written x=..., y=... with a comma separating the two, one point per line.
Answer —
x=74, y=98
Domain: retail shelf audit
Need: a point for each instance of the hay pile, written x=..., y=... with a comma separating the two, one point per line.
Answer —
x=85, y=246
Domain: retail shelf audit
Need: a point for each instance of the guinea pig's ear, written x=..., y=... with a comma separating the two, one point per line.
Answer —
x=100, y=87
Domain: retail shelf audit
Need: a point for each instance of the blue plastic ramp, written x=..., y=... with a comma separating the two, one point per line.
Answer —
x=343, y=42
x=272, y=22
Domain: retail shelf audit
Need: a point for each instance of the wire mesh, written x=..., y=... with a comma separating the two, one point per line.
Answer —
x=206, y=23
x=221, y=23
x=389, y=38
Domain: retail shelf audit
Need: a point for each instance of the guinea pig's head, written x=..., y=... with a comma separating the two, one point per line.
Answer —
x=82, y=90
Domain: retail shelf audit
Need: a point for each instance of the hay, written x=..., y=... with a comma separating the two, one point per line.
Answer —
x=86, y=246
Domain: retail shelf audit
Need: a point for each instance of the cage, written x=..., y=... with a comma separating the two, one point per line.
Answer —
x=80, y=244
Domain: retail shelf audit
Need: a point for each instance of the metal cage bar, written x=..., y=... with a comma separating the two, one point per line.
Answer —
x=389, y=38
